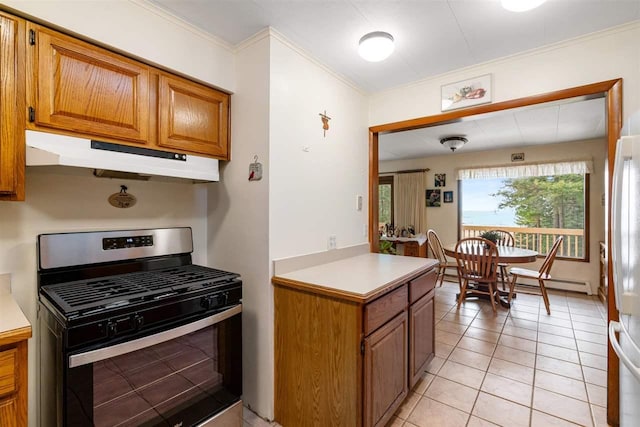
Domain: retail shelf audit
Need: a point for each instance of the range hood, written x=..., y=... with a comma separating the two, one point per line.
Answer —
x=47, y=149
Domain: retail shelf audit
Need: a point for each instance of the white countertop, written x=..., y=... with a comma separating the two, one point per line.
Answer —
x=361, y=275
x=11, y=317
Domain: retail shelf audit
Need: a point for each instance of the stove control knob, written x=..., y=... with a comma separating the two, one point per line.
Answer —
x=209, y=302
x=138, y=321
x=112, y=329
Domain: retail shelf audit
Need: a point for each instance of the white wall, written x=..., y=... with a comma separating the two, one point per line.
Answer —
x=238, y=220
x=303, y=196
x=140, y=30
x=314, y=178
x=601, y=56
x=444, y=220
x=61, y=200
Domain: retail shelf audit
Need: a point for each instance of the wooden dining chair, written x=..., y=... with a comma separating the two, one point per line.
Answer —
x=477, y=260
x=443, y=262
x=505, y=239
x=541, y=275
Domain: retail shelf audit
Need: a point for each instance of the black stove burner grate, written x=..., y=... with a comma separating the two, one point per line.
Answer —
x=103, y=292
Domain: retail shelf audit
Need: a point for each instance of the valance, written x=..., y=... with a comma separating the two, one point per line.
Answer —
x=523, y=171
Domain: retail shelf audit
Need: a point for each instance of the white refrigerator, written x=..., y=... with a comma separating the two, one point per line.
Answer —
x=626, y=275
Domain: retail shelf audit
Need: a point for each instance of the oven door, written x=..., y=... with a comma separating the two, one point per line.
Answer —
x=179, y=377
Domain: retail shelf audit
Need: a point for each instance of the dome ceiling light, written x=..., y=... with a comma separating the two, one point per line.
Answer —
x=376, y=46
x=521, y=5
x=454, y=142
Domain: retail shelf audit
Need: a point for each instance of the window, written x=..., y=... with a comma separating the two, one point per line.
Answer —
x=385, y=197
x=536, y=209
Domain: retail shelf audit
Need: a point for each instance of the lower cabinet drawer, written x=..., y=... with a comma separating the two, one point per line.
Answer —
x=421, y=285
x=380, y=311
x=8, y=371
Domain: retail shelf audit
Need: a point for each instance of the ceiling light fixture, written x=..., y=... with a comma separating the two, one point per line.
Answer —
x=521, y=5
x=376, y=46
x=454, y=142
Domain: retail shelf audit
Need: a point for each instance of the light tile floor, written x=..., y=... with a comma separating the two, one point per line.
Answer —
x=519, y=367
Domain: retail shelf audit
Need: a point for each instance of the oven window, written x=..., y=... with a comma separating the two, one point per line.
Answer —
x=186, y=380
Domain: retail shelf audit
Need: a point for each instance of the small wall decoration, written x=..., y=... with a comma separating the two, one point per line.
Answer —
x=122, y=199
x=517, y=157
x=433, y=198
x=325, y=122
x=255, y=170
x=466, y=93
x=440, y=179
x=448, y=197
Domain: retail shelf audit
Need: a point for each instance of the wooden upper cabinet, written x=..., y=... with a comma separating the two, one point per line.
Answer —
x=87, y=89
x=12, y=103
x=192, y=117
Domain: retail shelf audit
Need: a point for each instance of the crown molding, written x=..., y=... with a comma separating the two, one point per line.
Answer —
x=170, y=17
x=488, y=66
x=270, y=32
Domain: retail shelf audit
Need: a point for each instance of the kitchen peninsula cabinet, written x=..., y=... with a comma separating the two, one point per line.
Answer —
x=15, y=330
x=351, y=338
x=11, y=107
x=83, y=88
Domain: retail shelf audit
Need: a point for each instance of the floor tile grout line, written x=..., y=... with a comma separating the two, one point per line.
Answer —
x=504, y=323
x=584, y=381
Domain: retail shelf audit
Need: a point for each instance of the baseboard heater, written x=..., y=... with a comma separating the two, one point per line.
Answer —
x=559, y=284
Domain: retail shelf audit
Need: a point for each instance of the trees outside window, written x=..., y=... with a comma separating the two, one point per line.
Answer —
x=385, y=198
x=535, y=209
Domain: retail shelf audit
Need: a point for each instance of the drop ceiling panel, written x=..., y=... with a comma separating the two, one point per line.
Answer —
x=536, y=125
x=432, y=37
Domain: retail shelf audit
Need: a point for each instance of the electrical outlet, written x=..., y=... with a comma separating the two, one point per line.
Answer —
x=332, y=242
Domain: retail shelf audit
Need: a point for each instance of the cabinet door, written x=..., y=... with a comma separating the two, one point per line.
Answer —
x=385, y=371
x=193, y=117
x=86, y=89
x=421, y=336
x=8, y=412
x=11, y=108
x=411, y=249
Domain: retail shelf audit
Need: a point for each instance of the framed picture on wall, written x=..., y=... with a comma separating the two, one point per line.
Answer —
x=433, y=198
x=440, y=179
x=466, y=93
x=448, y=197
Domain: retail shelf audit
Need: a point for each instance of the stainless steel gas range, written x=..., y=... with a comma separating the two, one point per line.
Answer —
x=131, y=333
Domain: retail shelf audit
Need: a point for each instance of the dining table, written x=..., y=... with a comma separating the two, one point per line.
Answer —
x=507, y=255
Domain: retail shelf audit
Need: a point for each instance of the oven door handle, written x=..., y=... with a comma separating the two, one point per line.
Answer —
x=144, y=342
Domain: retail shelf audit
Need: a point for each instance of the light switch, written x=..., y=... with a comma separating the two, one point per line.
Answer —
x=358, y=202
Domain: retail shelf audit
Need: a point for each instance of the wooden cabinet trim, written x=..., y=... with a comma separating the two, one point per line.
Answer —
x=378, y=312
x=12, y=107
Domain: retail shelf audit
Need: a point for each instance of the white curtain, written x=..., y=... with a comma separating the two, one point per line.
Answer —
x=410, y=204
x=522, y=171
